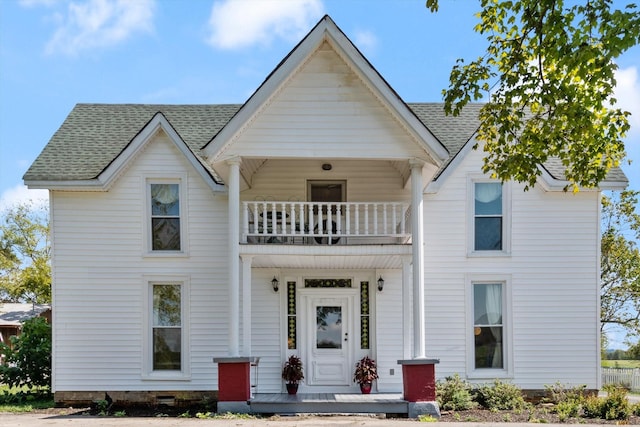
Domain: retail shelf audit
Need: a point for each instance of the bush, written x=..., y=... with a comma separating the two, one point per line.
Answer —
x=28, y=364
x=454, y=394
x=559, y=393
x=592, y=407
x=615, y=405
x=500, y=396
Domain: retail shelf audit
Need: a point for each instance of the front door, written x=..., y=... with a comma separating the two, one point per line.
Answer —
x=329, y=344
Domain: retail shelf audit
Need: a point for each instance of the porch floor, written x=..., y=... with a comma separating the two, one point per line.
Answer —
x=328, y=403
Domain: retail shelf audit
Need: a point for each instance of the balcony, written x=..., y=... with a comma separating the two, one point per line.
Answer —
x=311, y=223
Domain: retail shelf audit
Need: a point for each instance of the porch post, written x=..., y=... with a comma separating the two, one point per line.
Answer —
x=234, y=256
x=406, y=303
x=417, y=231
x=246, y=303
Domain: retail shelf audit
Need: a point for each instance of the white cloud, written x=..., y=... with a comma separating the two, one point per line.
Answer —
x=33, y=3
x=21, y=194
x=99, y=23
x=366, y=41
x=241, y=23
x=628, y=95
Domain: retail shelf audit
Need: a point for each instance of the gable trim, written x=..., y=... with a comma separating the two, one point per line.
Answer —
x=326, y=30
x=121, y=162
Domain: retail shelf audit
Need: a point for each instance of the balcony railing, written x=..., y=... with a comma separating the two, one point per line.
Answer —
x=325, y=223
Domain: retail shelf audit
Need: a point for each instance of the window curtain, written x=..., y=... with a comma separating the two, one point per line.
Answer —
x=487, y=192
x=494, y=316
x=165, y=193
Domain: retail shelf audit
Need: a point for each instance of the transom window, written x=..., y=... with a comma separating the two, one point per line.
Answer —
x=165, y=217
x=488, y=217
x=488, y=327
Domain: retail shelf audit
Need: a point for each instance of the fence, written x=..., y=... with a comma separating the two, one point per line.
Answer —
x=628, y=377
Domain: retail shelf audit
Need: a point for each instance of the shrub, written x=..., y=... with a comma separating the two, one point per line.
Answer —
x=454, y=394
x=567, y=409
x=500, y=396
x=29, y=362
x=559, y=393
x=592, y=407
x=615, y=405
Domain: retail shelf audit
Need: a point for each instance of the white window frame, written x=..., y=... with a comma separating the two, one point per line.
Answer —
x=184, y=374
x=181, y=180
x=506, y=218
x=507, y=327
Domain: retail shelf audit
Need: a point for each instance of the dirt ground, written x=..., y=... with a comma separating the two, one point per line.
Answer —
x=540, y=414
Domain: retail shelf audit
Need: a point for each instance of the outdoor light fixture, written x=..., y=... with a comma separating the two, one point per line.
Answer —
x=326, y=166
x=275, y=284
x=380, y=283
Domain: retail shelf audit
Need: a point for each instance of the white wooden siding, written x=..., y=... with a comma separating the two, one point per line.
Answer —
x=389, y=339
x=325, y=111
x=366, y=180
x=553, y=270
x=267, y=340
x=99, y=286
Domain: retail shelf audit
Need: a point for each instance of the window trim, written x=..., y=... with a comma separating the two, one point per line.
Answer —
x=181, y=180
x=506, y=218
x=507, y=327
x=148, y=373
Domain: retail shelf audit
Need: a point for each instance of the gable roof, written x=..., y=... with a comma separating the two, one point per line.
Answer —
x=326, y=31
x=94, y=135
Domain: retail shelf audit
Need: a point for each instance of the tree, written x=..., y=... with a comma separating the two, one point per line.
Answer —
x=620, y=262
x=28, y=363
x=553, y=68
x=25, y=253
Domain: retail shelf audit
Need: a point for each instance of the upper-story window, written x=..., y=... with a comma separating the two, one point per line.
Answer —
x=165, y=217
x=488, y=217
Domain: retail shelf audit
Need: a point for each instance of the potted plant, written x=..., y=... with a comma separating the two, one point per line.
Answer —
x=292, y=373
x=366, y=372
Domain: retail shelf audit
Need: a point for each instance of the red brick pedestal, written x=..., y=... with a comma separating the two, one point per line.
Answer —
x=234, y=383
x=419, y=386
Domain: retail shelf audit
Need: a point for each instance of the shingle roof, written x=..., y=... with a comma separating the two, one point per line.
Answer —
x=93, y=135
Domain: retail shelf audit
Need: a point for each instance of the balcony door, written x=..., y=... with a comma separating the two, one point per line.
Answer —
x=327, y=192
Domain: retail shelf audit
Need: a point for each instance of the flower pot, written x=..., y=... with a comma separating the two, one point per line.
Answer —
x=292, y=388
x=365, y=388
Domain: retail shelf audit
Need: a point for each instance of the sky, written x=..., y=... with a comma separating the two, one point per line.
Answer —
x=57, y=53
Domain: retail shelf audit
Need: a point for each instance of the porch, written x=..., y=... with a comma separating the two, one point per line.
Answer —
x=337, y=223
x=329, y=403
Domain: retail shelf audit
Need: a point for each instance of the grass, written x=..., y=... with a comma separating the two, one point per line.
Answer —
x=20, y=400
x=621, y=363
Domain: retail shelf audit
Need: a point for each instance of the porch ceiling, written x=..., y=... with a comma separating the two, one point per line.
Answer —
x=327, y=257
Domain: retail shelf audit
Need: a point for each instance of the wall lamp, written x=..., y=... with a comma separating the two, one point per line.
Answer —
x=380, y=283
x=275, y=283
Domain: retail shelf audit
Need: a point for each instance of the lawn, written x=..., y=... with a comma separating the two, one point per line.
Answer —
x=17, y=400
x=621, y=363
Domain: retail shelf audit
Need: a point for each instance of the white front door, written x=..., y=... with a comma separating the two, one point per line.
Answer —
x=329, y=345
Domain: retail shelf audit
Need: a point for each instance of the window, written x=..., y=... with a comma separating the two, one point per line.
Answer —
x=488, y=327
x=488, y=221
x=166, y=327
x=165, y=217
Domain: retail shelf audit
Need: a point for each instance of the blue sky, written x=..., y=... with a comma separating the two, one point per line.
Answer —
x=56, y=53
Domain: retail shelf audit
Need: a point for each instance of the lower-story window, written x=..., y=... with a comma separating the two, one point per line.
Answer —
x=167, y=327
x=167, y=339
x=489, y=314
x=487, y=326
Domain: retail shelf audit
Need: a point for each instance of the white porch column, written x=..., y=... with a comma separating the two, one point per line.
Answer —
x=417, y=258
x=246, y=304
x=233, y=186
x=407, y=285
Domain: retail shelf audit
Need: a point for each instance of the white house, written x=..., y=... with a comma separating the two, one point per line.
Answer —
x=172, y=225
